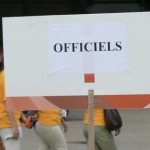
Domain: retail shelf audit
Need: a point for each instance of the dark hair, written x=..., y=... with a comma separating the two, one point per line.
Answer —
x=2, y=64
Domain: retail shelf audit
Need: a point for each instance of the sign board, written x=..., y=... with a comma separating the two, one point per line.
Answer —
x=49, y=55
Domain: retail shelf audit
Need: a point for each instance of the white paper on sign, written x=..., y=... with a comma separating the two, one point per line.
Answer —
x=85, y=48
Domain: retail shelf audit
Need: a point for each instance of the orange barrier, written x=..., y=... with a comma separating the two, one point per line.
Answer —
x=78, y=102
x=28, y=103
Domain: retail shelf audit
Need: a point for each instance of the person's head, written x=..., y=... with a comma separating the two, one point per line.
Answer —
x=1, y=60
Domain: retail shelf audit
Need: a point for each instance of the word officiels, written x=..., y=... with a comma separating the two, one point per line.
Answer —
x=87, y=46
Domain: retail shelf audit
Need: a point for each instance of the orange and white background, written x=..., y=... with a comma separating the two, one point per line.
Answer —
x=35, y=74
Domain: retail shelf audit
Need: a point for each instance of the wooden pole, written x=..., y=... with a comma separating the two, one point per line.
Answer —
x=91, y=139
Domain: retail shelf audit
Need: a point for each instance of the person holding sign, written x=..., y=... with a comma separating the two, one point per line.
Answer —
x=103, y=138
x=48, y=129
x=10, y=130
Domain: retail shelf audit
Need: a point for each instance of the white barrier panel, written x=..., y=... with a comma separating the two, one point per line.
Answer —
x=49, y=55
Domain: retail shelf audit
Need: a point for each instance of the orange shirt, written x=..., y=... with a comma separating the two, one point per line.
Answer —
x=98, y=117
x=50, y=117
x=4, y=120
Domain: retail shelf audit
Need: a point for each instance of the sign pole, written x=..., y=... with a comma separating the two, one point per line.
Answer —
x=91, y=139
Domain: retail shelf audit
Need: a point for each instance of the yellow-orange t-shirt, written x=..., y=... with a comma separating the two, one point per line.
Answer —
x=4, y=120
x=98, y=117
x=50, y=117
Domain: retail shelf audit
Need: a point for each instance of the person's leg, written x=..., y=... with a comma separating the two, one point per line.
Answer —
x=42, y=145
x=53, y=136
x=57, y=138
x=104, y=139
x=10, y=144
x=97, y=147
x=85, y=133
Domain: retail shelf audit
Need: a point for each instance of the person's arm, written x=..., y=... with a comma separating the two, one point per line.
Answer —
x=29, y=118
x=34, y=115
x=117, y=132
x=12, y=119
x=64, y=125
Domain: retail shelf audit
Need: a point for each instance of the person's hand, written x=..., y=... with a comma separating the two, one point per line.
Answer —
x=65, y=127
x=117, y=132
x=23, y=118
x=15, y=131
x=35, y=117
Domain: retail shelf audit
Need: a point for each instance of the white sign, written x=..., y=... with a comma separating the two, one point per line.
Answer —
x=88, y=48
x=115, y=47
